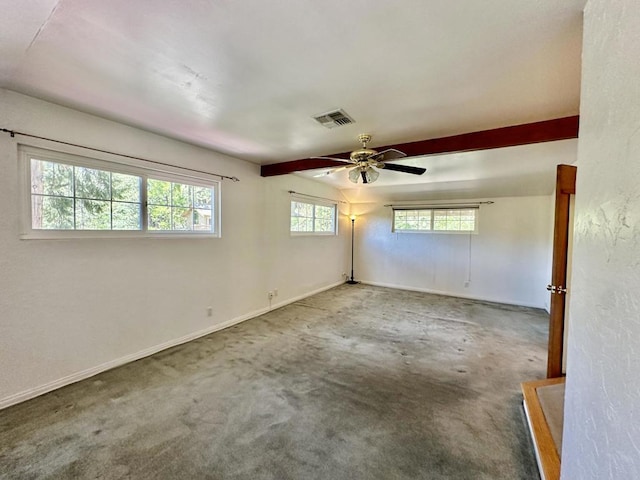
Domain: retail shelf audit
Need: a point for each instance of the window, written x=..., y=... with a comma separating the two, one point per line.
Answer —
x=69, y=197
x=412, y=220
x=178, y=206
x=309, y=217
x=71, y=194
x=435, y=220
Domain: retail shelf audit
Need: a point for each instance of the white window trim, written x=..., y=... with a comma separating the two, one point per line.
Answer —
x=437, y=232
x=25, y=153
x=314, y=201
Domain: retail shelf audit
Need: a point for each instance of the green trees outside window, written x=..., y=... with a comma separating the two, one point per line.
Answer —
x=435, y=220
x=178, y=206
x=66, y=196
x=309, y=217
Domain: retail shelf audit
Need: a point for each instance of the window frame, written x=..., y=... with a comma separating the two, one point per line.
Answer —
x=315, y=203
x=27, y=153
x=431, y=229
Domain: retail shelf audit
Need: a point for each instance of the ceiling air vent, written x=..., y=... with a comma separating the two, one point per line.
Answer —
x=337, y=118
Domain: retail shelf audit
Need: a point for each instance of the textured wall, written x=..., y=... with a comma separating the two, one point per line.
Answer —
x=69, y=306
x=602, y=409
x=508, y=260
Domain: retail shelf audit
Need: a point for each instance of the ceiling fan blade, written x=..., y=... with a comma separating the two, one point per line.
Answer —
x=331, y=158
x=329, y=172
x=404, y=168
x=386, y=155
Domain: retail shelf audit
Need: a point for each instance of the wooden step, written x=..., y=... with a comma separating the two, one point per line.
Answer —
x=546, y=448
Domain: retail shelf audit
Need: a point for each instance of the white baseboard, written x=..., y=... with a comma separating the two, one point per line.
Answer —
x=90, y=372
x=449, y=294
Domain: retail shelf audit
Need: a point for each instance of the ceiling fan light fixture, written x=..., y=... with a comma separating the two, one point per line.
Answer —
x=354, y=174
x=371, y=174
x=367, y=173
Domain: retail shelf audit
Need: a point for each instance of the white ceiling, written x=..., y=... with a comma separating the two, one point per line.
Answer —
x=245, y=77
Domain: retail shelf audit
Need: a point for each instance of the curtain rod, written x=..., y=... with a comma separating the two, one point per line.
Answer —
x=13, y=133
x=291, y=192
x=440, y=205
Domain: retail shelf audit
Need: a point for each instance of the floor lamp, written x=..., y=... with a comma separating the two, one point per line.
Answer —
x=353, y=226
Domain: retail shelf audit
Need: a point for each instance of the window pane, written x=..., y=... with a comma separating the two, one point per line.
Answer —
x=440, y=220
x=467, y=225
x=159, y=218
x=306, y=225
x=182, y=218
x=412, y=220
x=51, y=178
x=92, y=190
x=125, y=188
x=299, y=209
x=322, y=225
x=180, y=214
x=307, y=210
x=51, y=213
x=400, y=219
x=202, y=220
x=440, y=224
x=158, y=192
x=324, y=212
x=126, y=216
x=202, y=197
x=181, y=195
x=93, y=215
x=325, y=218
x=455, y=220
x=424, y=221
x=94, y=184
x=453, y=224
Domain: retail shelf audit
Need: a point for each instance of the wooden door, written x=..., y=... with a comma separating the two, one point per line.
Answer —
x=565, y=187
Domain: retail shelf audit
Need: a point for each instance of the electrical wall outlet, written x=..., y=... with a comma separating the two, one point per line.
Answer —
x=270, y=295
x=466, y=284
x=275, y=292
x=209, y=311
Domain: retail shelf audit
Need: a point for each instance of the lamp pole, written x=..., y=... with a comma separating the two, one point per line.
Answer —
x=353, y=226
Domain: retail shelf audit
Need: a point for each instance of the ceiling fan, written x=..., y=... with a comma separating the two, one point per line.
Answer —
x=363, y=160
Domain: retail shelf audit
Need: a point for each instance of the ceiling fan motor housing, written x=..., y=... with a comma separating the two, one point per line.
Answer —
x=362, y=154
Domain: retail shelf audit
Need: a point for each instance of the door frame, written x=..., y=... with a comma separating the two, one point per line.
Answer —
x=565, y=187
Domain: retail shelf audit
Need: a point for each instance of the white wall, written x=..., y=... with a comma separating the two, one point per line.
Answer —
x=508, y=260
x=300, y=263
x=602, y=407
x=69, y=308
